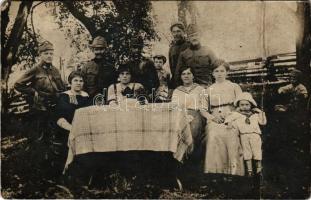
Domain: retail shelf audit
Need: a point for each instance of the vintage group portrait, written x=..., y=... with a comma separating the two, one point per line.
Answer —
x=155, y=99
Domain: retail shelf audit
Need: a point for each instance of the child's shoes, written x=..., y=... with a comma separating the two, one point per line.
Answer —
x=249, y=173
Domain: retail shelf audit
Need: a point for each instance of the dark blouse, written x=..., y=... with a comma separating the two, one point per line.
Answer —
x=66, y=110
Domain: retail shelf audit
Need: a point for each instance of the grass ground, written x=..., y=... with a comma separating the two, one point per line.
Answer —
x=286, y=175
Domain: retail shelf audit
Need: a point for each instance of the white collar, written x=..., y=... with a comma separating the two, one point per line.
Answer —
x=70, y=93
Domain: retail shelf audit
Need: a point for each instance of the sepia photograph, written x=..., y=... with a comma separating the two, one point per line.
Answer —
x=128, y=99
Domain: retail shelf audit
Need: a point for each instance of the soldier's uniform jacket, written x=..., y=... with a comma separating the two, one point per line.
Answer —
x=98, y=76
x=44, y=79
x=175, y=49
x=201, y=59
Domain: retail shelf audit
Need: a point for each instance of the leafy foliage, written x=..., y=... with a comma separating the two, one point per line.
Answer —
x=119, y=22
x=28, y=49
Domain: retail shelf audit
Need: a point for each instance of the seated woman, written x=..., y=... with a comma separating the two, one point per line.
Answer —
x=67, y=103
x=223, y=149
x=188, y=96
x=125, y=91
x=71, y=100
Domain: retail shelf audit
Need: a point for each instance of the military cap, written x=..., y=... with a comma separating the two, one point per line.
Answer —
x=44, y=46
x=160, y=56
x=99, y=41
x=179, y=25
x=192, y=29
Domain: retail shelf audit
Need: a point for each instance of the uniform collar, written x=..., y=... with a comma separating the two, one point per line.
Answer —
x=195, y=47
x=46, y=66
x=105, y=59
x=179, y=42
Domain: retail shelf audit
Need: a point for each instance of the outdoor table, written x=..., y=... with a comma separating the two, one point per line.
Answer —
x=153, y=127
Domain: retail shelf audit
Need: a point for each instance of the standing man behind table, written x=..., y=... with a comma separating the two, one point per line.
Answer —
x=99, y=73
x=178, y=45
x=198, y=57
x=143, y=69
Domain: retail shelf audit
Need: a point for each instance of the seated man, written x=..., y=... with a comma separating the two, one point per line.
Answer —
x=293, y=95
x=162, y=93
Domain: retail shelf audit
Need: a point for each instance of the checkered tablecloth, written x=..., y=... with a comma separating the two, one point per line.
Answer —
x=153, y=127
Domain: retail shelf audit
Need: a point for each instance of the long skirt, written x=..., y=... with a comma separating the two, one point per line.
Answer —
x=196, y=126
x=223, y=150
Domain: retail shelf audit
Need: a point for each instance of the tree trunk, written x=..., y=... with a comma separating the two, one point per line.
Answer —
x=8, y=57
x=11, y=47
x=4, y=22
x=183, y=7
x=303, y=44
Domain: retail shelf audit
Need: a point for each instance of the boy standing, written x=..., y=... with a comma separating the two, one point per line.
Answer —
x=162, y=92
x=246, y=119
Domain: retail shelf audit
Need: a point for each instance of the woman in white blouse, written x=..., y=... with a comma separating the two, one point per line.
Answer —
x=223, y=149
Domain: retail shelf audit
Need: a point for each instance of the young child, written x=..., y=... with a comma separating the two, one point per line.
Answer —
x=162, y=93
x=246, y=119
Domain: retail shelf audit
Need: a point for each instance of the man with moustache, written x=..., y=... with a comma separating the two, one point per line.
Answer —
x=178, y=45
x=198, y=57
x=99, y=73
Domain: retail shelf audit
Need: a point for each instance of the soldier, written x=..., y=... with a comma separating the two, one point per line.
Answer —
x=198, y=57
x=143, y=68
x=178, y=45
x=42, y=82
x=99, y=73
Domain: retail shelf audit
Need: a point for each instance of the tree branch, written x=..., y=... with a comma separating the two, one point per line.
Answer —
x=120, y=7
x=31, y=19
x=86, y=21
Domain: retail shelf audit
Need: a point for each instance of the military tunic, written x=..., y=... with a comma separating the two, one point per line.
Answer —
x=175, y=49
x=44, y=79
x=98, y=76
x=44, y=84
x=201, y=59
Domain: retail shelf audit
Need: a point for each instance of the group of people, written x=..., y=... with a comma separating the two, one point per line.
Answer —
x=231, y=131
x=225, y=122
